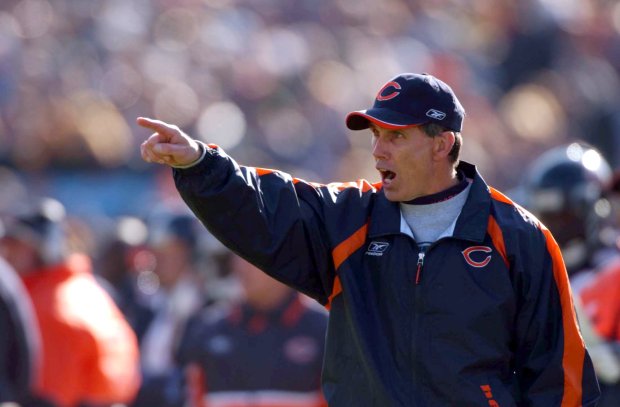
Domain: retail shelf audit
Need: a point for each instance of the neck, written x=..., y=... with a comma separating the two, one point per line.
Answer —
x=451, y=183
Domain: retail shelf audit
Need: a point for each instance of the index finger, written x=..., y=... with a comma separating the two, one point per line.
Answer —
x=156, y=125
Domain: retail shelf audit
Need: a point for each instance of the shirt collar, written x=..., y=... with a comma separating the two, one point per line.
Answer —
x=471, y=224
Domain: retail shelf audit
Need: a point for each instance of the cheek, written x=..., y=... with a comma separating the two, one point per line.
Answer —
x=409, y=163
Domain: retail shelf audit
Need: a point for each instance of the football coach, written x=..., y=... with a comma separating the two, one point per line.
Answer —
x=441, y=290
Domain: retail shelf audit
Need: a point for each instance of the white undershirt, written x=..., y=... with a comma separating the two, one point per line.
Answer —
x=428, y=223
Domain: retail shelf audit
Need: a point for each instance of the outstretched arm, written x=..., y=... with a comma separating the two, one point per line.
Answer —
x=270, y=219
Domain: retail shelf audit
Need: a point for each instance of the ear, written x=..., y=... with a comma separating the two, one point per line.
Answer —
x=443, y=144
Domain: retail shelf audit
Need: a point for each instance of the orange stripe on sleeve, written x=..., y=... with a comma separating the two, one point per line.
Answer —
x=498, y=196
x=342, y=252
x=348, y=246
x=361, y=184
x=574, y=348
x=337, y=289
x=264, y=171
x=493, y=228
x=497, y=237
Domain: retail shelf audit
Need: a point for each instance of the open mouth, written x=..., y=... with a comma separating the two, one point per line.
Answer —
x=387, y=176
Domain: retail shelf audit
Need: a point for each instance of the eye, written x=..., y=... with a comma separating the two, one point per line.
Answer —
x=374, y=136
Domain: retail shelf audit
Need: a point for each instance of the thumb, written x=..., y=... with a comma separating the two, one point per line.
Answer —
x=177, y=154
x=170, y=149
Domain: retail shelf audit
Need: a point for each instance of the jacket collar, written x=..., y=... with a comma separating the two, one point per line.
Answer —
x=470, y=225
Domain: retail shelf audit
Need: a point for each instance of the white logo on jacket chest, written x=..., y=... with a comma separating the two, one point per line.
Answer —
x=377, y=248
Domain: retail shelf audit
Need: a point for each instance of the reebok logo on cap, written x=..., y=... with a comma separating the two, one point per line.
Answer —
x=411, y=99
x=436, y=114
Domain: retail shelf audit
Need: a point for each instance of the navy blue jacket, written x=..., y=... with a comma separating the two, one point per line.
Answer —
x=483, y=318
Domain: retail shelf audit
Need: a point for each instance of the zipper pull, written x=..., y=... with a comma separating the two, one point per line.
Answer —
x=418, y=274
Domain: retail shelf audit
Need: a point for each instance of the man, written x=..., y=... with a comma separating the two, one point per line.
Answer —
x=442, y=291
x=89, y=352
x=265, y=350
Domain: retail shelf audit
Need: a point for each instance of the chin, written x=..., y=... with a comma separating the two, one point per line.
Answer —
x=392, y=196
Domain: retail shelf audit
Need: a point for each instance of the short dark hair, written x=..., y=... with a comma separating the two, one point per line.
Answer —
x=434, y=129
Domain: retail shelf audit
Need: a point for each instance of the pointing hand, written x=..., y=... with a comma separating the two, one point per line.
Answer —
x=168, y=144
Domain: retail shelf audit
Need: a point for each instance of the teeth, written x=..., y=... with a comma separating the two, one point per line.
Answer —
x=386, y=175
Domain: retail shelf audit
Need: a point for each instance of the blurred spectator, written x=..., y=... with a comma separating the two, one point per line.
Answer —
x=20, y=362
x=549, y=71
x=122, y=259
x=177, y=291
x=264, y=351
x=89, y=352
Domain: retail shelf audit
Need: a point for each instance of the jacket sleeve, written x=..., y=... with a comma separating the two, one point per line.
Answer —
x=267, y=217
x=552, y=365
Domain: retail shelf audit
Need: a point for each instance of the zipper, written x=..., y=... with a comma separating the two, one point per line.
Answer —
x=417, y=307
x=418, y=273
x=421, y=255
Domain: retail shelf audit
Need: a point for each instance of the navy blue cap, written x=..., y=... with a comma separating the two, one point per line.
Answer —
x=411, y=99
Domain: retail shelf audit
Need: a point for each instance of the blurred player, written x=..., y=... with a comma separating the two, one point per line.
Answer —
x=564, y=189
x=264, y=351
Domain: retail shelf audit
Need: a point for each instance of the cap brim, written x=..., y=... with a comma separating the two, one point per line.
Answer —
x=389, y=119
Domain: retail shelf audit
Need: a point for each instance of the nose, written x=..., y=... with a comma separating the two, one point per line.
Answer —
x=378, y=147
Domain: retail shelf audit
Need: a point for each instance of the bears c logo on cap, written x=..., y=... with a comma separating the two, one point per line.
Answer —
x=389, y=96
x=411, y=99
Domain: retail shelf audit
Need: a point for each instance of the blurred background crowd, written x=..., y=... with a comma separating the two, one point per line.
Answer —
x=271, y=81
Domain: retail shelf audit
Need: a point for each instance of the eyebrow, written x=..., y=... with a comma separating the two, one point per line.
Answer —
x=389, y=131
